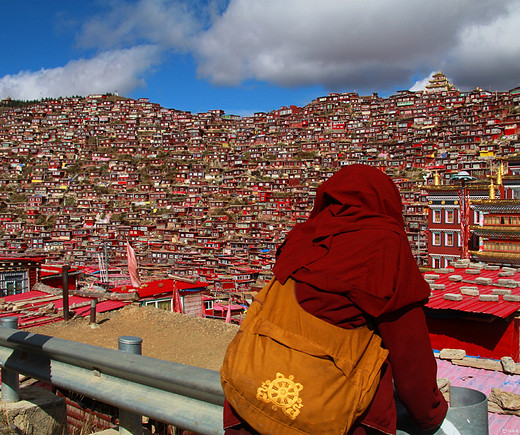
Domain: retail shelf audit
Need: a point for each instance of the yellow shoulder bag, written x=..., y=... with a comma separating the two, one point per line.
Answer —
x=288, y=372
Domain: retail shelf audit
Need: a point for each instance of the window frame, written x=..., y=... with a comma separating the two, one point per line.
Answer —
x=436, y=216
x=449, y=216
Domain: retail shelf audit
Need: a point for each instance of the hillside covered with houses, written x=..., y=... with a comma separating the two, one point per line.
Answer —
x=211, y=195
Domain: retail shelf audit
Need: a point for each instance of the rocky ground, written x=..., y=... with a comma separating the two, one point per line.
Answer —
x=168, y=336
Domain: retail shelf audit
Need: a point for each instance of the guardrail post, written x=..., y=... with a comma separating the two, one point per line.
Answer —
x=10, y=379
x=93, y=304
x=130, y=423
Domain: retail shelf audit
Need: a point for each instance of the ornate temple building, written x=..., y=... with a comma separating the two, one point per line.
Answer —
x=476, y=220
x=498, y=225
x=498, y=231
x=439, y=83
x=448, y=239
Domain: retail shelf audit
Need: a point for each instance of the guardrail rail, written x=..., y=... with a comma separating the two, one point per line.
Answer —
x=183, y=396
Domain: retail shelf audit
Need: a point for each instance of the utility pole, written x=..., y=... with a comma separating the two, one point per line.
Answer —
x=65, y=276
x=106, y=264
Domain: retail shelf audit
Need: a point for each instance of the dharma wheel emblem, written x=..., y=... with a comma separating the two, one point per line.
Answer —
x=283, y=393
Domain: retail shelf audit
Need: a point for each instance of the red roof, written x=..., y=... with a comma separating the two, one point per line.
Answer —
x=224, y=307
x=472, y=304
x=33, y=304
x=35, y=259
x=90, y=269
x=49, y=270
x=484, y=380
x=154, y=288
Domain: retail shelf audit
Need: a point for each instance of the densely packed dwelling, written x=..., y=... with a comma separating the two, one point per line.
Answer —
x=210, y=191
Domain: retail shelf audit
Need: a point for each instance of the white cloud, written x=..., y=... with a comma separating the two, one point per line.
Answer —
x=119, y=70
x=170, y=24
x=487, y=54
x=420, y=85
x=340, y=45
x=357, y=44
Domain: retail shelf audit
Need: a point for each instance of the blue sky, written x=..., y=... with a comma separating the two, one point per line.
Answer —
x=245, y=56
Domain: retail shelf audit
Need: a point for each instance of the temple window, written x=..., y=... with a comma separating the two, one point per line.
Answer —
x=449, y=216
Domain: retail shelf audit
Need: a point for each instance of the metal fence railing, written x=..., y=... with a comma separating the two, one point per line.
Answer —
x=183, y=396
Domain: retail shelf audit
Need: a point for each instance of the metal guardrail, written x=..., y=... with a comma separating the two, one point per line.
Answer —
x=183, y=396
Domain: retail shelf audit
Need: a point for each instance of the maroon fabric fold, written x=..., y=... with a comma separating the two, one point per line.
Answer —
x=352, y=262
x=354, y=244
x=415, y=380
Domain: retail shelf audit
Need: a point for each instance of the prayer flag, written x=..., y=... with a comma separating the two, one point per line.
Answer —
x=176, y=299
x=132, y=266
x=228, y=315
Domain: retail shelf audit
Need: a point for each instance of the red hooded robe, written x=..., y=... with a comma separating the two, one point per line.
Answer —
x=352, y=263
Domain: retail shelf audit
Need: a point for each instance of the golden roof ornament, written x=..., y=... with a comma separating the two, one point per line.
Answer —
x=491, y=190
x=436, y=179
x=500, y=173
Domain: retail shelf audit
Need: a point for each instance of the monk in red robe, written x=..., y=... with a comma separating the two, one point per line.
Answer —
x=352, y=266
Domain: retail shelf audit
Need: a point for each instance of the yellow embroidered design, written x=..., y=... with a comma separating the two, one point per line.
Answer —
x=283, y=393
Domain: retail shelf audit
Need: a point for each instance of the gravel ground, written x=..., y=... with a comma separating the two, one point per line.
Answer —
x=168, y=336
